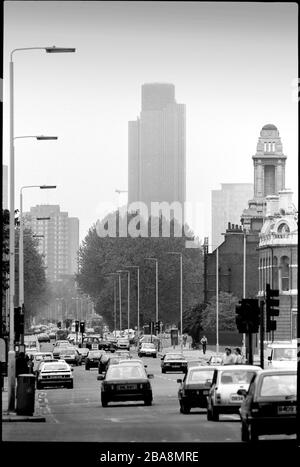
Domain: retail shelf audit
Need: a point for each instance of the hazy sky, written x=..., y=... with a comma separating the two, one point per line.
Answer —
x=232, y=64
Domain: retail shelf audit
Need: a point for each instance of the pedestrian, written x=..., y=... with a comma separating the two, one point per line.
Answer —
x=228, y=358
x=203, y=342
x=21, y=364
x=239, y=358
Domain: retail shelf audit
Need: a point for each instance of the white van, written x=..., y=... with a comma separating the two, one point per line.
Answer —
x=281, y=355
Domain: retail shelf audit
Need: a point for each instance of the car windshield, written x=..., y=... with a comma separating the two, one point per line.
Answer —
x=94, y=354
x=68, y=351
x=174, y=357
x=149, y=346
x=237, y=377
x=285, y=354
x=125, y=372
x=55, y=367
x=279, y=385
x=199, y=376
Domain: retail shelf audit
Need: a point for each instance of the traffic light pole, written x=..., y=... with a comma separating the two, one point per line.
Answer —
x=250, y=349
x=262, y=334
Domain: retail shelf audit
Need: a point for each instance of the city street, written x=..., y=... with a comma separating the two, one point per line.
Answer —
x=77, y=415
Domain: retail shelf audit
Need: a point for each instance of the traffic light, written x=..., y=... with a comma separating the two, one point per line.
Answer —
x=157, y=326
x=271, y=310
x=76, y=326
x=82, y=327
x=248, y=316
x=18, y=322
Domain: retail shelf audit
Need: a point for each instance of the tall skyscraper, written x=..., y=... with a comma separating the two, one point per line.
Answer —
x=4, y=187
x=156, y=148
x=226, y=206
x=60, y=241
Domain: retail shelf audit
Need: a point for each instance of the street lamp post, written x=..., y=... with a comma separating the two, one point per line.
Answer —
x=128, y=296
x=138, y=296
x=11, y=367
x=115, y=299
x=156, y=285
x=181, y=280
x=21, y=245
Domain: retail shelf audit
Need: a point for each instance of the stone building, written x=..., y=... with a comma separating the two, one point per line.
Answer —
x=278, y=260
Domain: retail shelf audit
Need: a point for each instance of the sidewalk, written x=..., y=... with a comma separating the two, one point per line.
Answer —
x=12, y=416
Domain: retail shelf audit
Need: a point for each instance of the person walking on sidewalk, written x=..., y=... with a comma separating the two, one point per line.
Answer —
x=203, y=342
x=239, y=358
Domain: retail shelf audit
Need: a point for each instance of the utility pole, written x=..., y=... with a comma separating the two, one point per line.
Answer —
x=262, y=332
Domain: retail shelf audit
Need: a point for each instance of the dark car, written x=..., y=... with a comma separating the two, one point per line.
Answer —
x=126, y=382
x=194, y=388
x=92, y=359
x=174, y=362
x=70, y=355
x=109, y=345
x=270, y=404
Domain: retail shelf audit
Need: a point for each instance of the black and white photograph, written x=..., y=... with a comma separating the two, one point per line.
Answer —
x=149, y=231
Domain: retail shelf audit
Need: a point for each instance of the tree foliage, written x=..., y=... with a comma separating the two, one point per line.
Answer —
x=99, y=255
x=227, y=303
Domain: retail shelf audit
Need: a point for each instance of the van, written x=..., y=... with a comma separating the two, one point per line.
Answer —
x=281, y=355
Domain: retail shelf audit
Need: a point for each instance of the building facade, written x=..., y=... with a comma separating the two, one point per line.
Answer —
x=278, y=260
x=156, y=148
x=227, y=204
x=59, y=241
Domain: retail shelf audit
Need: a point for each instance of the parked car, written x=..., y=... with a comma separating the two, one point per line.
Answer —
x=227, y=380
x=147, y=350
x=174, y=362
x=55, y=373
x=281, y=355
x=126, y=382
x=70, y=355
x=270, y=404
x=92, y=359
x=194, y=388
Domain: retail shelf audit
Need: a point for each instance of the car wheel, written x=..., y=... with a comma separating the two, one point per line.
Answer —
x=87, y=367
x=244, y=432
x=209, y=415
x=104, y=402
x=38, y=385
x=154, y=356
x=148, y=401
x=163, y=371
x=70, y=385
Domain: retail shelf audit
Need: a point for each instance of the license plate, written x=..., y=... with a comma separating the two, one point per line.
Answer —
x=286, y=409
x=236, y=398
x=175, y=366
x=126, y=386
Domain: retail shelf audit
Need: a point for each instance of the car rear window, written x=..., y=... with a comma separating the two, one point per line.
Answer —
x=55, y=367
x=237, y=377
x=94, y=354
x=201, y=376
x=174, y=357
x=148, y=346
x=125, y=372
x=278, y=385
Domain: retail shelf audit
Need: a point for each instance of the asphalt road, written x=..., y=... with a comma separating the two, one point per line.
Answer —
x=77, y=415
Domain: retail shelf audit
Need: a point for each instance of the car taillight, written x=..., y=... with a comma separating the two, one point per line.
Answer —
x=218, y=398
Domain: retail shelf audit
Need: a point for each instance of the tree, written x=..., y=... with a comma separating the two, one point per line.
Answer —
x=36, y=291
x=192, y=322
x=99, y=255
x=227, y=303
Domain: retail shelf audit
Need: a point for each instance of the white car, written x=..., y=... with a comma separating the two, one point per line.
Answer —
x=148, y=350
x=281, y=356
x=227, y=381
x=123, y=343
x=55, y=373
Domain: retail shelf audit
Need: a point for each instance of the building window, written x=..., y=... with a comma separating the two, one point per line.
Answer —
x=273, y=147
x=275, y=273
x=265, y=147
x=285, y=273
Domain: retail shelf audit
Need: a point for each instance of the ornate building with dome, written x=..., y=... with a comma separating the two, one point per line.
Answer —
x=278, y=260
